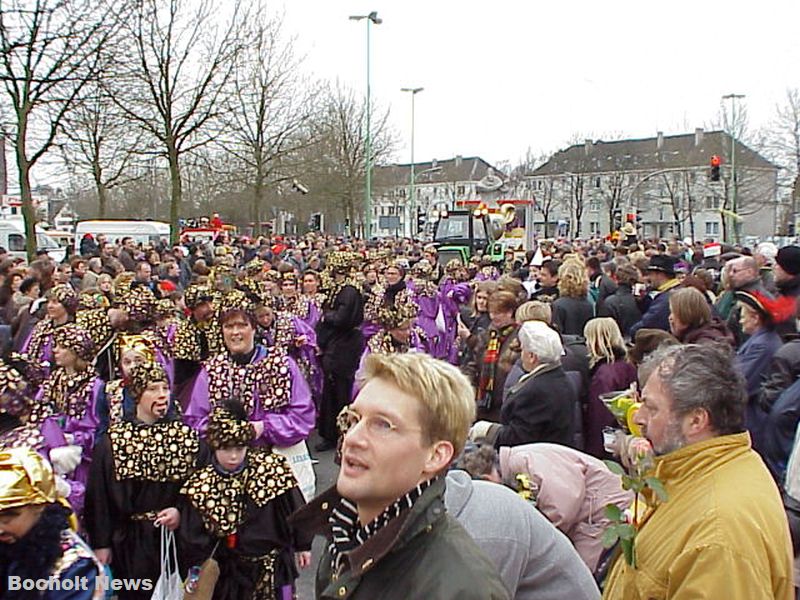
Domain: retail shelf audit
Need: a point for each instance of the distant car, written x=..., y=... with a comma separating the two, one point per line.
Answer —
x=144, y=232
x=64, y=239
x=12, y=238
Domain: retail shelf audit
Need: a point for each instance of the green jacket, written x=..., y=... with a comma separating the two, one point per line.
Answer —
x=424, y=554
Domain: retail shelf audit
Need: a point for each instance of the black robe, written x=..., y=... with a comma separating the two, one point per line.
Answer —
x=111, y=502
x=342, y=343
x=261, y=530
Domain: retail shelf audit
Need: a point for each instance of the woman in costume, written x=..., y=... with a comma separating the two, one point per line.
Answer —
x=138, y=469
x=268, y=382
x=453, y=293
x=425, y=294
x=296, y=304
x=236, y=509
x=62, y=303
x=65, y=408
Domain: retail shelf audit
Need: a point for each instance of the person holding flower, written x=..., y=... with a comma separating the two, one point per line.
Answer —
x=722, y=531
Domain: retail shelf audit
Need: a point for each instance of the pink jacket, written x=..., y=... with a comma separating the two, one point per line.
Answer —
x=573, y=490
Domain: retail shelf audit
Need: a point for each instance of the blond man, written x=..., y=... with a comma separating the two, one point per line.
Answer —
x=390, y=536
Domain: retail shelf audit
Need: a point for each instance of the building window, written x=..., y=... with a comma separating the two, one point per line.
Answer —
x=391, y=211
x=712, y=203
x=401, y=192
x=597, y=182
x=460, y=190
x=594, y=228
x=594, y=206
x=712, y=228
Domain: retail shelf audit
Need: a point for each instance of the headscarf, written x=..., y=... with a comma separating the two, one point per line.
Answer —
x=26, y=479
x=66, y=296
x=75, y=338
x=137, y=343
x=226, y=430
x=143, y=375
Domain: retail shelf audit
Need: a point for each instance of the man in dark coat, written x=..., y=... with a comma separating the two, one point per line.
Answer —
x=389, y=534
x=661, y=275
x=786, y=273
x=540, y=407
x=621, y=305
x=341, y=342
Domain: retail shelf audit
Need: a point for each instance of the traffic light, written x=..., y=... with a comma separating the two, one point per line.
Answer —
x=315, y=222
x=422, y=220
x=616, y=221
x=716, y=161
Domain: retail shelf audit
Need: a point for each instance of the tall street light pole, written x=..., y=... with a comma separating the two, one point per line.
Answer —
x=370, y=18
x=411, y=193
x=734, y=204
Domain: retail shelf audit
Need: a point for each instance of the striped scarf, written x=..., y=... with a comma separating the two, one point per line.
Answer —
x=347, y=535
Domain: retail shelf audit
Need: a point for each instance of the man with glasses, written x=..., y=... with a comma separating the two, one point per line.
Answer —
x=390, y=536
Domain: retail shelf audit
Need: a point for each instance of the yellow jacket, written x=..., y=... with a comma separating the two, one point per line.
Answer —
x=721, y=535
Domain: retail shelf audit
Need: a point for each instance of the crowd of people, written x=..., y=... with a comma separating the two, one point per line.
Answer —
x=146, y=389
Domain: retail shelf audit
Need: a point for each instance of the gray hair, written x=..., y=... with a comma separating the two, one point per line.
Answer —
x=540, y=339
x=700, y=377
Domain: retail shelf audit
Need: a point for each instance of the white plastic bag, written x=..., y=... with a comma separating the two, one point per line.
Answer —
x=302, y=466
x=169, y=585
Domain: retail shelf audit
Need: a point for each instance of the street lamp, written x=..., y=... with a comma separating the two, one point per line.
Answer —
x=733, y=98
x=413, y=92
x=371, y=18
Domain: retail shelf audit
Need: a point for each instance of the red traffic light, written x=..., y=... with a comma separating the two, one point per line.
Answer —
x=716, y=161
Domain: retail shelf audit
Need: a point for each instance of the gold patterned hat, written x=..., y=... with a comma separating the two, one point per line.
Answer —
x=452, y=267
x=196, y=294
x=391, y=317
x=73, y=337
x=14, y=399
x=226, y=430
x=26, y=479
x=343, y=262
x=422, y=268
x=139, y=344
x=165, y=308
x=65, y=295
x=254, y=267
x=144, y=375
x=90, y=300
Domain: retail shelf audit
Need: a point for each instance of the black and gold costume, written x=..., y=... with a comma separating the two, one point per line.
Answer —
x=137, y=471
x=242, y=518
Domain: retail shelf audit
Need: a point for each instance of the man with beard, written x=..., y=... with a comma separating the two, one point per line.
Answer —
x=36, y=542
x=722, y=532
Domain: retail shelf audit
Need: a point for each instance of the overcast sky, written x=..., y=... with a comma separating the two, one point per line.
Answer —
x=504, y=75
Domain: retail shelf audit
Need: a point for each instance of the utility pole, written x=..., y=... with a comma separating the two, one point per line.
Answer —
x=411, y=191
x=370, y=18
x=734, y=200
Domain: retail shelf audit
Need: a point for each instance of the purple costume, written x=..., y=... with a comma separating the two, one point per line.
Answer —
x=270, y=387
x=426, y=297
x=451, y=296
x=65, y=406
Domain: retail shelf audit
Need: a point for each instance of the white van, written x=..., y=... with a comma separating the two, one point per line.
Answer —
x=12, y=238
x=145, y=232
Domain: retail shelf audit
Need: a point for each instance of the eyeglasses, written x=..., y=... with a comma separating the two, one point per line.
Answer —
x=377, y=426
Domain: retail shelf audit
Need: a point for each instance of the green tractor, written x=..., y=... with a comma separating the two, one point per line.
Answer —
x=463, y=234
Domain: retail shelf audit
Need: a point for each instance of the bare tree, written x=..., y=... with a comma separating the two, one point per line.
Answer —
x=783, y=145
x=339, y=163
x=175, y=76
x=100, y=143
x=49, y=51
x=267, y=121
